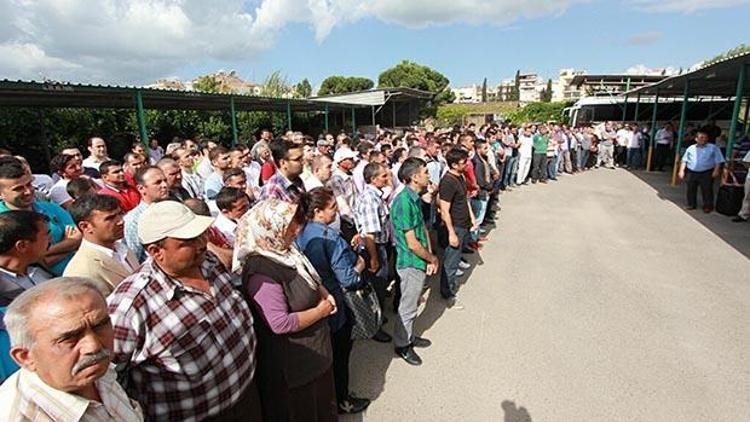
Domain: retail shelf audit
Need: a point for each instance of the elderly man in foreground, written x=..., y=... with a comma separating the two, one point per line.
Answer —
x=184, y=339
x=62, y=337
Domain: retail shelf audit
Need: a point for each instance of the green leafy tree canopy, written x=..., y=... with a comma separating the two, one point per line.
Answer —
x=344, y=84
x=303, y=89
x=413, y=75
x=275, y=85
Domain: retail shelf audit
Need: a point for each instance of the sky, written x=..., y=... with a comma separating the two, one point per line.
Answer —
x=136, y=42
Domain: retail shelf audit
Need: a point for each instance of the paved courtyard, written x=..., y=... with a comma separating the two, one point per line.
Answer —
x=598, y=298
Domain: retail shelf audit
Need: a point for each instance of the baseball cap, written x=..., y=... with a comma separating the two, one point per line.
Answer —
x=170, y=219
x=344, y=154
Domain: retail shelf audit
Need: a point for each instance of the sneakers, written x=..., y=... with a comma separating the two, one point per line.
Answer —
x=409, y=355
x=463, y=265
x=736, y=219
x=352, y=405
x=459, y=272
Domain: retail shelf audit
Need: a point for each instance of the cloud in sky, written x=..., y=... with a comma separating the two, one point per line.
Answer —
x=645, y=38
x=137, y=41
x=684, y=6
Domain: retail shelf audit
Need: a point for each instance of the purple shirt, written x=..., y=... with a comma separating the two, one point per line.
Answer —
x=270, y=300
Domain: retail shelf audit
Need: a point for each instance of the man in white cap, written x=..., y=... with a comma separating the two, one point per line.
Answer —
x=184, y=339
x=343, y=187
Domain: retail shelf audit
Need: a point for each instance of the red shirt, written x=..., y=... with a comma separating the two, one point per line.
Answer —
x=471, y=178
x=128, y=197
x=267, y=171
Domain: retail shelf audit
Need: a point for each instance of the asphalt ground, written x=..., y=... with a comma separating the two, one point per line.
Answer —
x=597, y=298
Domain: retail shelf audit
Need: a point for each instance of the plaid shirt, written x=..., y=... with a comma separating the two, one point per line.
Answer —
x=371, y=215
x=343, y=186
x=407, y=215
x=25, y=397
x=182, y=353
x=282, y=188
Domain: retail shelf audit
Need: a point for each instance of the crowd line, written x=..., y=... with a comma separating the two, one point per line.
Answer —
x=200, y=282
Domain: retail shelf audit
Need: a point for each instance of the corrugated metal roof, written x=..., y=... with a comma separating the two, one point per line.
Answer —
x=76, y=95
x=717, y=79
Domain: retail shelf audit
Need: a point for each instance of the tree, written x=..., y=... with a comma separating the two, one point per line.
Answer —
x=275, y=85
x=207, y=83
x=344, y=84
x=546, y=94
x=484, y=91
x=412, y=75
x=516, y=94
x=303, y=89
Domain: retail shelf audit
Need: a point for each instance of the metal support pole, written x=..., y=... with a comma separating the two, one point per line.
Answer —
x=354, y=122
x=736, y=111
x=289, y=115
x=637, y=107
x=680, y=133
x=625, y=109
x=747, y=114
x=372, y=109
x=141, y=115
x=393, y=107
x=326, y=119
x=653, y=132
x=234, y=121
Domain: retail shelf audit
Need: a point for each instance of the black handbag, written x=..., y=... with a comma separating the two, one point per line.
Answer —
x=362, y=302
x=729, y=198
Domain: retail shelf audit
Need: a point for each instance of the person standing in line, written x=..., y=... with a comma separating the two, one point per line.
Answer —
x=539, y=160
x=97, y=155
x=606, y=146
x=664, y=139
x=414, y=258
x=458, y=221
x=701, y=164
x=524, y=155
x=635, y=159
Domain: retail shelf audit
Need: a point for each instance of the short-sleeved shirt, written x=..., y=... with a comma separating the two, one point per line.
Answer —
x=59, y=219
x=184, y=354
x=702, y=158
x=406, y=215
x=283, y=189
x=540, y=144
x=453, y=189
x=371, y=215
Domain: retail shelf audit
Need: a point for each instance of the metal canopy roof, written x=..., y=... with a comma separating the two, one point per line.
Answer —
x=377, y=96
x=579, y=80
x=718, y=80
x=53, y=94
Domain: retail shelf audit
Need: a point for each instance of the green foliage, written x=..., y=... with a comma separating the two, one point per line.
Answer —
x=344, y=84
x=412, y=75
x=207, y=83
x=453, y=114
x=539, y=112
x=740, y=49
x=303, y=89
x=516, y=94
x=275, y=86
x=484, y=91
x=546, y=94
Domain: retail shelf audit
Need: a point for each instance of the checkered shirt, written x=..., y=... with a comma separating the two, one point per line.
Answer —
x=371, y=215
x=182, y=353
x=283, y=189
x=343, y=186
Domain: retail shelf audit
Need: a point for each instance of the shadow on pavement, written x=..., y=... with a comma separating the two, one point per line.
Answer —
x=736, y=235
x=514, y=413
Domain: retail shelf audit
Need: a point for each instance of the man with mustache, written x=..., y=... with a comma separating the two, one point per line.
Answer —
x=184, y=339
x=62, y=337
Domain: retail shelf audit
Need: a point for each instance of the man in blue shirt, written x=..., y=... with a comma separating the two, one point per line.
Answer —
x=701, y=164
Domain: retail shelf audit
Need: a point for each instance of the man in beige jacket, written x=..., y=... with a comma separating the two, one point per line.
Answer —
x=102, y=257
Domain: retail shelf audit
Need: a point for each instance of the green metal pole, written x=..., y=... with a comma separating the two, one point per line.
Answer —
x=354, y=122
x=747, y=114
x=736, y=111
x=141, y=115
x=653, y=132
x=624, y=109
x=680, y=132
x=637, y=107
x=234, y=121
x=289, y=115
x=326, y=121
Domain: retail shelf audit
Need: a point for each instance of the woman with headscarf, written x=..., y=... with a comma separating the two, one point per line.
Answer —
x=339, y=267
x=290, y=304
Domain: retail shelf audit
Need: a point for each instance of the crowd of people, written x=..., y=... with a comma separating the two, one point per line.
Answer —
x=200, y=282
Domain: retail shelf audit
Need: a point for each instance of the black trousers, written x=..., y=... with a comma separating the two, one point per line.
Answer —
x=706, y=183
x=539, y=167
x=621, y=155
x=662, y=151
x=341, y=342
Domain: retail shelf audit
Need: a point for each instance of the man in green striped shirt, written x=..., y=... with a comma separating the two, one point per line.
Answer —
x=414, y=260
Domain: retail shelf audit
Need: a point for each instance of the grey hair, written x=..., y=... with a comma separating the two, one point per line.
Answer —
x=20, y=310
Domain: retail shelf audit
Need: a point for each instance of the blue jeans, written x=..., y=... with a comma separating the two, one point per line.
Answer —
x=451, y=259
x=510, y=162
x=583, y=158
x=479, y=208
x=552, y=164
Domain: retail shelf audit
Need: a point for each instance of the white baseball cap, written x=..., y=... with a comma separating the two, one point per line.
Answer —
x=170, y=219
x=344, y=153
